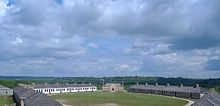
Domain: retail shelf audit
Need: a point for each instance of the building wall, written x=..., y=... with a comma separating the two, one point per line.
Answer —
x=167, y=93
x=17, y=99
x=3, y=91
x=112, y=88
x=65, y=90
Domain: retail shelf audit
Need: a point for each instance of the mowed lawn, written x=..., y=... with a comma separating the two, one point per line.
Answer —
x=5, y=100
x=116, y=99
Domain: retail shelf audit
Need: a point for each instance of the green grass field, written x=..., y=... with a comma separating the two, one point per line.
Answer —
x=5, y=100
x=116, y=99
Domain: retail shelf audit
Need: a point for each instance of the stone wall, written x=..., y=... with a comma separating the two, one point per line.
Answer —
x=3, y=91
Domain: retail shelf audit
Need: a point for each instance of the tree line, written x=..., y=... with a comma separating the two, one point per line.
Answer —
x=126, y=81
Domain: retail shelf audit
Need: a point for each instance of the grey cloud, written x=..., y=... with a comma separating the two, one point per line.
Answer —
x=149, y=48
x=145, y=18
x=28, y=12
x=79, y=16
x=38, y=45
x=59, y=31
x=213, y=65
x=197, y=42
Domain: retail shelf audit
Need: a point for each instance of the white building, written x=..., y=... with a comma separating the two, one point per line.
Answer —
x=5, y=91
x=63, y=88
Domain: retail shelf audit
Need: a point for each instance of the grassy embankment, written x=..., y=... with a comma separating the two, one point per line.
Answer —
x=6, y=101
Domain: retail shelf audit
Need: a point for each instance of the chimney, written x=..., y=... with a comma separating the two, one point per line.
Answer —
x=197, y=85
x=46, y=84
x=146, y=83
x=181, y=85
x=103, y=81
x=168, y=84
x=22, y=101
x=156, y=84
x=137, y=83
x=67, y=83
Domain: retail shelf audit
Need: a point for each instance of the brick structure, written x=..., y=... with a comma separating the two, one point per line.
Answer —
x=112, y=87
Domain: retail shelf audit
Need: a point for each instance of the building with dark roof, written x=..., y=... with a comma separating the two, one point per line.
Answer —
x=61, y=88
x=29, y=97
x=178, y=91
x=212, y=98
x=5, y=91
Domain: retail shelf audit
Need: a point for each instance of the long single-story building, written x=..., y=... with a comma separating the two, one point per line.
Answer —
x=167, y=90
x=29, y=97
x=61, y=88
x=5, y=91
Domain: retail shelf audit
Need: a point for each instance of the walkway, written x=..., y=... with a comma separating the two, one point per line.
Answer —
x=190, y=102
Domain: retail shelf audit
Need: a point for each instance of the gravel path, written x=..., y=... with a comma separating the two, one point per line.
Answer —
x=190, y=102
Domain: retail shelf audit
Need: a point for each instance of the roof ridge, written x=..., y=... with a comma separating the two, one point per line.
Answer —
x=29, y=90
x=215, y=97
x=42, y=95
x=36, y=98
x=210, y=101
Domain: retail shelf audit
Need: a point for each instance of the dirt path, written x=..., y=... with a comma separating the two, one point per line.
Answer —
x=105, y=104
x=190, y=102
x=62, y=102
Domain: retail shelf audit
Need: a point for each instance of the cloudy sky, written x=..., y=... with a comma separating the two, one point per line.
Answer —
x=168, y=38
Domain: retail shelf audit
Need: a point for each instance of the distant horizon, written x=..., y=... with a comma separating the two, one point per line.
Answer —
x=168, y=38
x=104, y=76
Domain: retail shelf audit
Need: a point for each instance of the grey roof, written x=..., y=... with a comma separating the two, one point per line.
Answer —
x=210, y=99
x=61, y=85
x=33, y=98
x=19, y=91
x=168, y=88
x=3, y=88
